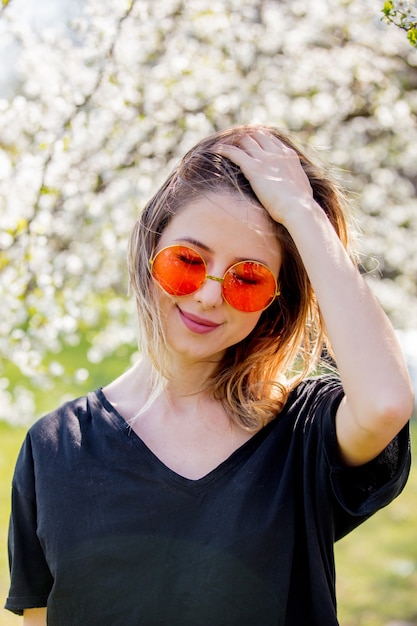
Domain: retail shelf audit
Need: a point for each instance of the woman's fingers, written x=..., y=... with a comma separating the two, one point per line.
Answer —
x=238, y=155
x=273, y=170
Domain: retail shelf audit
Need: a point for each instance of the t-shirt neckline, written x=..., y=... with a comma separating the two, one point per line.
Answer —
x=242, y=452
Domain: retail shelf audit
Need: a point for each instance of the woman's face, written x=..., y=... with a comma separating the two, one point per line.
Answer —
x=224, y=228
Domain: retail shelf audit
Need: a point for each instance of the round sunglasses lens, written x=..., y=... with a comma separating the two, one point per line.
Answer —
x=249, y=286
x=179, y=270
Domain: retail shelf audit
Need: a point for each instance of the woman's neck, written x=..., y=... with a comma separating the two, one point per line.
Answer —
x=142, y=386
x=182, y=378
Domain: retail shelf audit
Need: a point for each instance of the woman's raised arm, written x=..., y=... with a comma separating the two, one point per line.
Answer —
x=378, y=394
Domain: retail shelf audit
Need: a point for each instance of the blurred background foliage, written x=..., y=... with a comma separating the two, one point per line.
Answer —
x=99, y=98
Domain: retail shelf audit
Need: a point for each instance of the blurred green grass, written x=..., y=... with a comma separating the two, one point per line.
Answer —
x=11, y=438
x=376, y=564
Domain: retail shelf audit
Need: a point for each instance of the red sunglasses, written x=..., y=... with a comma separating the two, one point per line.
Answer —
x=247, y=286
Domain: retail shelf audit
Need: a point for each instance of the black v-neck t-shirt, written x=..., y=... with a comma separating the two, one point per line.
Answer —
x=102, y=532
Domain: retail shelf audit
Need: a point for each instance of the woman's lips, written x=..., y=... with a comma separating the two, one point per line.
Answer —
x=197, y=324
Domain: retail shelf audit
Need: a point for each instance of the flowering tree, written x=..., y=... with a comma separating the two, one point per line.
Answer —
x=99, y=111
x=404, y=15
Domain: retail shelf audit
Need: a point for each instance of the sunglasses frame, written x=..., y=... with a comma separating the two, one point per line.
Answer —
x=277, y=291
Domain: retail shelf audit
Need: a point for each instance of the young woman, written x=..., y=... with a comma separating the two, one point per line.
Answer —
x=207, y=484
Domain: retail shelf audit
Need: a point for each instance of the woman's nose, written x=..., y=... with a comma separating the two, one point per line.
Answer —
x=210, y=293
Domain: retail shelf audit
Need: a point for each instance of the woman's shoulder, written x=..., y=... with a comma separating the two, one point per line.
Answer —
x=66, y=417
x=317, y=387
x=313, y=396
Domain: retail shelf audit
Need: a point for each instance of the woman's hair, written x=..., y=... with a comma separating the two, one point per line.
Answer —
x=255, y=376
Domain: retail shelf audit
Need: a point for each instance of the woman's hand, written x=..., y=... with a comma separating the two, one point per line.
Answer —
x=274, y=172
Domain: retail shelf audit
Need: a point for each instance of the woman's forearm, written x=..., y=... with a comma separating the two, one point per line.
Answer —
x=34, y=617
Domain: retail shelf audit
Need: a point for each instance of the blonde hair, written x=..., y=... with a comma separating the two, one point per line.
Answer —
x=254, y=377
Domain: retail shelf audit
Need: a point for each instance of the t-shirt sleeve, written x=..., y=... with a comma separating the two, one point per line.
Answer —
x=31, y=579
x=361, y=491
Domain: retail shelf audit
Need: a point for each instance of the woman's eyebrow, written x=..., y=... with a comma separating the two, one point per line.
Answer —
x=203, y=246
x=194, y=242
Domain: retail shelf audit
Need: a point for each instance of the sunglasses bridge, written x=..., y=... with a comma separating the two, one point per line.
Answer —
x=216, y=278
